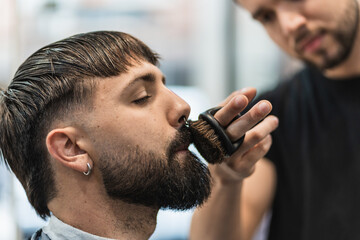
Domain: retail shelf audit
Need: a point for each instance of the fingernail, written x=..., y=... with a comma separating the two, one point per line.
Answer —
x=264, y=107
x=244, y=89
x=275, y=119
x=239, y=100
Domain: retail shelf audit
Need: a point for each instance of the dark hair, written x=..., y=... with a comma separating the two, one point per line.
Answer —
x=49, y=85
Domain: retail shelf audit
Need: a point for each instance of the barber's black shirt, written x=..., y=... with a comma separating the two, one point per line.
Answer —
x=316, y=151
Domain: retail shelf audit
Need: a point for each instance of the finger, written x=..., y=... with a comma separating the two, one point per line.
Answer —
x=258, y=133
x=239, y=127
x=259, y=150
x=225, y=115
x=251, y=157
x=249, y=92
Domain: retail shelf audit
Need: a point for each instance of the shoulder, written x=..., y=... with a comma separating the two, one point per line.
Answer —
x=287, y=86
x=291, y=92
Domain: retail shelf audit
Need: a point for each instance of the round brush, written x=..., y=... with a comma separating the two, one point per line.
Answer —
x=210, y=137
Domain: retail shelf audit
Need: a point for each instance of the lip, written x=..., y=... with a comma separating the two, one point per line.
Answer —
x=311, y=44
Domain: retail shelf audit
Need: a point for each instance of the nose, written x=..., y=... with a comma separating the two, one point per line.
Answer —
x=290, y=21
x=177, y=109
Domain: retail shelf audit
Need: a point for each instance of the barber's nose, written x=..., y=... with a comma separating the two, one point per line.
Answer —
x=178, y=110
x=290, y=21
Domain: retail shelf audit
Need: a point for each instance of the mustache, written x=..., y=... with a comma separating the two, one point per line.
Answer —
x=301, y=34
x=182, y=139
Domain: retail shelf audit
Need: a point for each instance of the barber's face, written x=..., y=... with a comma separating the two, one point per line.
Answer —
x=140, y=144
x=320, y=32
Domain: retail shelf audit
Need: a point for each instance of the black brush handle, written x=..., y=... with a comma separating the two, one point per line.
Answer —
x=229, y=146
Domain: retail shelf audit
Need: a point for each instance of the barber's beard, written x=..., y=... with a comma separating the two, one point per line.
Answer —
x=344, y=37
x=146, y=178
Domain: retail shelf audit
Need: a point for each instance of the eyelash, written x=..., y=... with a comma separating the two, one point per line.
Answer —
x=142, y=100
x=267, y=18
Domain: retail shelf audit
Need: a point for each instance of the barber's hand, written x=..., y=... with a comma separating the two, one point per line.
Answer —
x=257, y=141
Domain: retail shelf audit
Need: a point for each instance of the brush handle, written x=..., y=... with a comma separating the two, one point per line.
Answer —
x=229, y=146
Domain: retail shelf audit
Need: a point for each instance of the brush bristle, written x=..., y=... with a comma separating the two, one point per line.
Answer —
x=207, y=142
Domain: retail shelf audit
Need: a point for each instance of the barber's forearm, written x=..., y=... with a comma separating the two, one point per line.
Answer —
x=219, y=217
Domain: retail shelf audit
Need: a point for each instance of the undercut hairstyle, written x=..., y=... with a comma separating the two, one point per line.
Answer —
x=50, y=85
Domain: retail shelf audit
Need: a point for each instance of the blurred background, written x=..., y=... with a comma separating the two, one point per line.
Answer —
x=209, y=48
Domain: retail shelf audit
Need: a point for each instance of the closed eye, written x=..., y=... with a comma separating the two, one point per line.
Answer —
x=142, y=100
x=266, y=17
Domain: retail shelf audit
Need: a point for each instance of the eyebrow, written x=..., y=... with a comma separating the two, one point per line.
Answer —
x=149, y=77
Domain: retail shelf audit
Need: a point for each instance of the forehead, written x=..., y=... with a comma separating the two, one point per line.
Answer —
x=122, y=83
x=252, y=5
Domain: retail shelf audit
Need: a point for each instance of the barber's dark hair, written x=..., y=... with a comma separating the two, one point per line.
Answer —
x=49, y=85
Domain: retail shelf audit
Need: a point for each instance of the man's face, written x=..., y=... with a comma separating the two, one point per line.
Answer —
x=320, y=32
x=140, y=144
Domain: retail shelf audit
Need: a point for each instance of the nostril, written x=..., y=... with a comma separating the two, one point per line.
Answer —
x=183, y=119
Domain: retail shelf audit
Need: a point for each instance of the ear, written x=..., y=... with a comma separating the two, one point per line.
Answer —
x=62, y=146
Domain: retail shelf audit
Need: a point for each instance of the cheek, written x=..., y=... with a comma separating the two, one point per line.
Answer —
x=327, y=16
x=150, y=133
x=146, y=128
x=284, y=43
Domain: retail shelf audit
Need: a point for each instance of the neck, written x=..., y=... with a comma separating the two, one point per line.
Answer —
x=103, y=216
x=350, y=67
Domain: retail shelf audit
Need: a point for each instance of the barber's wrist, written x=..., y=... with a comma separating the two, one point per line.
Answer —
x=227, y=186
x=225, y=176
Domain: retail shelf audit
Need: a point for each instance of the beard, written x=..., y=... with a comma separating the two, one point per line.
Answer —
x=344, y=36
x=146, y=178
